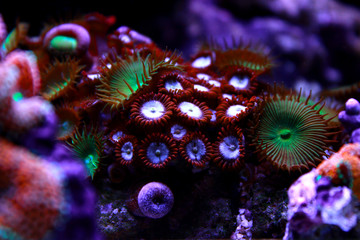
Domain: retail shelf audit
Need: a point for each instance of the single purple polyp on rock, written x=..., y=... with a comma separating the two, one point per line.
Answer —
x=155, y=200
x=350, y=117
x=352, y=107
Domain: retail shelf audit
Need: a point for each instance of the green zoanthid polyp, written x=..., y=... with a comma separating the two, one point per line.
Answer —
x=291, y=133
x=87, y=146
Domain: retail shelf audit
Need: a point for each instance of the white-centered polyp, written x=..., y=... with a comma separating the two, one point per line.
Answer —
x=239, y=81
x=93, y=76
x=127, y=151
x=203, y=76
x=173, y=85
x=233, y=110
x=178, y=131
x=117, y=136
x=229, y=148
x=201, y=62
x=125, y=38
x=152, y=109
x=201, y=88
x=196, y=149
x=157, y=152
x=191, y=110
x=215, y=83
x=226, y=96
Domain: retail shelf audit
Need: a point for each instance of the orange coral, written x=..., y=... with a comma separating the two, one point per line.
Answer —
x=344, y=167
x=31, y=196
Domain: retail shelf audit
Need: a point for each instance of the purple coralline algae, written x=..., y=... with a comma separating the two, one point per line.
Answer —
x=355, y=136
x=244, y=225
x=314, y=202
x=350, y=118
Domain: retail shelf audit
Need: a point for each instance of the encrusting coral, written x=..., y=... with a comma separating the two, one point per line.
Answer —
x=343, y=167
x=32, y=193
x=314, y=201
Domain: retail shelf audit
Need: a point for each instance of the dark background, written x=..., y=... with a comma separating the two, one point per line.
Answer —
x=150, y=18
x=161, y=20
x=327, y=54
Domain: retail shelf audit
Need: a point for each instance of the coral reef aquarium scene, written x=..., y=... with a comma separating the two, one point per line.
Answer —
x=195, y=119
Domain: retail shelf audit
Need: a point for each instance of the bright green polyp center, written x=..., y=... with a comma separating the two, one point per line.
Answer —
x=285, y=134
x=63, y=43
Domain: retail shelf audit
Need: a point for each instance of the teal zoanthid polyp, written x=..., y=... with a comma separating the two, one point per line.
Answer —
x=91, y=163
x=63, y=43
x=89, y=159
x=65, y=129
x=9, y=41
x=65, y=125
x=87, y=147
x=318, y=177
x=17, y=96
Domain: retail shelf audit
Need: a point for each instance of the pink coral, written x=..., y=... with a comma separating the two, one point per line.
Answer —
x=76, y=31
x=3, y=31
x=19, y=83
x=29, y=77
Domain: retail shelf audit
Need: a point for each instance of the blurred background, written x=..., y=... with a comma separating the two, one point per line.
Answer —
x=315, y=43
